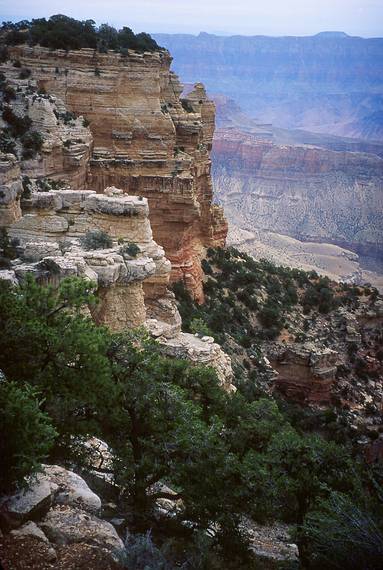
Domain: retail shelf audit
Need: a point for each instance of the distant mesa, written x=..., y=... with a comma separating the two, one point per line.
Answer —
x=332, y=35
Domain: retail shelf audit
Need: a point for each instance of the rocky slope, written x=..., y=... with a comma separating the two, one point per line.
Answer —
x=147, y=141
x=329, y=83
x=292, y=333
x=327, y=259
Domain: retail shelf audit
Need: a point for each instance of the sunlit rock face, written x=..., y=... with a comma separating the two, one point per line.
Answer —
x=125, y=155
x=147, y=140
x=50, y=236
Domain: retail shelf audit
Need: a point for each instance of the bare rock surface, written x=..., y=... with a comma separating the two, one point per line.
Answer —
x=28, y=503
x=72, y=489
x=66, y=525
x=30, y=529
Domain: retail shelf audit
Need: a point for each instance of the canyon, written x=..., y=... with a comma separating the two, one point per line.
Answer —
x=299, y=198
x=328, y=83
x=297, y=153
x=106, y=174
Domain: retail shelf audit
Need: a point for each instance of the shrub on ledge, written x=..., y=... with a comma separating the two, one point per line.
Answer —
x=96, y=239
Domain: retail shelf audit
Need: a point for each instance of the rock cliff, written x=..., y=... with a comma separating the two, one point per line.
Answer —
x=102, y=119
x=147, y=141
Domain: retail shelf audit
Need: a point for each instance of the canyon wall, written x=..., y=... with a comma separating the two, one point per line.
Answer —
x=328, y=83
x=131, y=127
x=147, y=141
x=309, y=193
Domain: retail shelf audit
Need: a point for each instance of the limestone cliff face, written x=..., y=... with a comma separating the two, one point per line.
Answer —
x=306, y=192
x=132, y=289
x=147, y=141
x=10, y=190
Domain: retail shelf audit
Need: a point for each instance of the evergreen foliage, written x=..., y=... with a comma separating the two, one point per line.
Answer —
x=63, y=32
x=225, y=455
x=96, y=239
x=27, y=433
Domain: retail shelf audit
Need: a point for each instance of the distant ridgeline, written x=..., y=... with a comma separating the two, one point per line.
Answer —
x=62, y=32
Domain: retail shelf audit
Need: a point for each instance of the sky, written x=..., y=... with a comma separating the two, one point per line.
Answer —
x=224, y=17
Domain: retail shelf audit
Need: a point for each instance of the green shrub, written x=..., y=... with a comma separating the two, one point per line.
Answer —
x=341, y=535
x=200, y=327
x=25, y=73
x=96, y=239
x=9, y=93
x=270, y=315
x=32, y=142
x=130, y=249
x=27, y=432
x=19, y=125
x=7, y=144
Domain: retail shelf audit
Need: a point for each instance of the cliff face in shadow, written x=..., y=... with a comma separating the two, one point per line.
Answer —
x=329, y=83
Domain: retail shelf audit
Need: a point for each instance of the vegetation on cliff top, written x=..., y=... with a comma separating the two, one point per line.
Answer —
x=62, y=32
x=226, y=455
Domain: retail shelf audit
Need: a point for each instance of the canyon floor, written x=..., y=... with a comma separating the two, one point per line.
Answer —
x=327, y=259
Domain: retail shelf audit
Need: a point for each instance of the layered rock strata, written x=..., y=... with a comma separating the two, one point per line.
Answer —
x=50, y=233
x=132, y=289
x=147, y=141
x=306, y=373
x=11, y=189
x=150, y=143
x=309, y=193
x=66, y=140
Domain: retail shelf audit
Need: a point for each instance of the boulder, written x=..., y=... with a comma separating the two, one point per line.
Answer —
x=30, y=503
x=9, y=276
x=66, y=525
x=72, y=489
x=30, y=529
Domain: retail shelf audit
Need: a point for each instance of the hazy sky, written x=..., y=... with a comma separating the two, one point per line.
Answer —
x=273, y=17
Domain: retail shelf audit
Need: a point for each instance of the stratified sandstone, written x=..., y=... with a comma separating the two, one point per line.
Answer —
x=132, y=290
x=147, y=141
x=306, y=373
x=151, y=144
